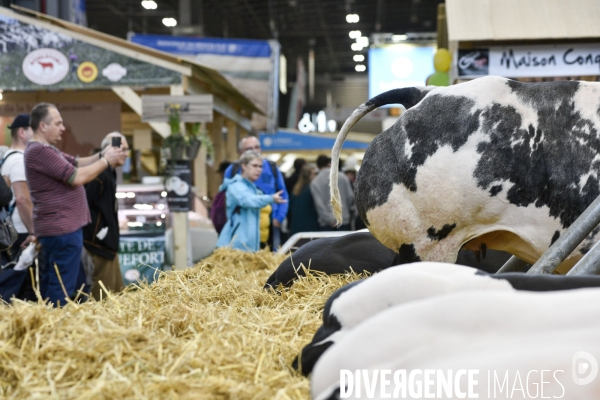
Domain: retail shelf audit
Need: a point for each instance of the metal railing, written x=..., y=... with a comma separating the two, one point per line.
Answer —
x=564, y=246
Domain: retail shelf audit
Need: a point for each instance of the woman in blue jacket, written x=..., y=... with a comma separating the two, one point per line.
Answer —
x=244, y=201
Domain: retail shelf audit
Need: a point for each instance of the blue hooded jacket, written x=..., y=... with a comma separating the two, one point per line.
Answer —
x=269, y=184
x=242, y=228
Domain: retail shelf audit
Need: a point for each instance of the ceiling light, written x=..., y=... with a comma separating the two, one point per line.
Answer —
x=149, y=4
x=169, y=22
x=356, y=47
x=360, y=68
x=363, y=41
x=352, y=18
x=399, y=38
x=359, y=58
x=354, y=34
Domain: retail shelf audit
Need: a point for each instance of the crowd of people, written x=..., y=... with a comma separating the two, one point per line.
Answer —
x=65, y=206
x=262, y=208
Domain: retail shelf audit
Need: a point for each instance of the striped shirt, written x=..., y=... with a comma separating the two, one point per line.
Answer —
x=58, y=207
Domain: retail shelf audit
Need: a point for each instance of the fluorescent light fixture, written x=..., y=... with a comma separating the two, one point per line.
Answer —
x=149, y=4
x=360, y=68
x=135, y=224
x=356, y=47
x=363, y=41
x=359, y=58
x=130, y=195
x=354, y=34
x=352, y=18
x=120, y=195
x=170, y=22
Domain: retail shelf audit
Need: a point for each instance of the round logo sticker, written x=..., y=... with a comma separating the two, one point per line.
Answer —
x=45, y=66
x=87, y=72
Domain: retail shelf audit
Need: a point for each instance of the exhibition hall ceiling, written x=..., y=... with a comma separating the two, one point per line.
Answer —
x=297, y=24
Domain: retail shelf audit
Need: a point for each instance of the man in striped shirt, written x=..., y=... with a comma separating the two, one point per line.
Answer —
x=60, y=207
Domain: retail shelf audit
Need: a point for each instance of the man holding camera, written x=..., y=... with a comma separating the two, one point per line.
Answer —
x=101, y=236
x=60, y=209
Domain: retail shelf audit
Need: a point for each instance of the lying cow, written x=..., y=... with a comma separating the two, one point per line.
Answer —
x=459, y=327
x=358, y=301
x=360, y=252
x=491, y=161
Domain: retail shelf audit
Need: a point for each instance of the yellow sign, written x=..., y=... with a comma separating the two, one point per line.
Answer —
x=87, y=72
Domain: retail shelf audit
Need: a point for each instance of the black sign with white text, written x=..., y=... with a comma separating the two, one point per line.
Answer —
x=179, y=185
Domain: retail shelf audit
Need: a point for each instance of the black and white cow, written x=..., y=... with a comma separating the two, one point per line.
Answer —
x=481, y=330
x=352, y=304
x=490, y=161
x=360, y=252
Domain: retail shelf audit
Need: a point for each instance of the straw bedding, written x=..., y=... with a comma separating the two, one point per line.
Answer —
x=209, y=332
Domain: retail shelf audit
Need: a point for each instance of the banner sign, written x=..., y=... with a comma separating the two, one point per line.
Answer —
x=290, y=141
x=252, y=66
x=576, y=59
x=141, y=258
x=78, y=13
x=178, y=185
x=35, y=58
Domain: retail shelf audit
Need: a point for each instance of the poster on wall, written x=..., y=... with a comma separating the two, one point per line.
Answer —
x=575, y=59
x=33, y=58
x=141, y=258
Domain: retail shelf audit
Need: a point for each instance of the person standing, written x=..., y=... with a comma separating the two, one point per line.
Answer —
x=303, y=213
x=270, y=181
x=13, y=168
x=319, y=188
x=101, y=236
x=244, y=202
x=60, y=208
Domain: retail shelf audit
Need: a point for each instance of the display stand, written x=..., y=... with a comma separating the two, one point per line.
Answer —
x=180, y=154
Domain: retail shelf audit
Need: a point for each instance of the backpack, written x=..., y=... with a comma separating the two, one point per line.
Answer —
x=4, y=156
x=218, y=213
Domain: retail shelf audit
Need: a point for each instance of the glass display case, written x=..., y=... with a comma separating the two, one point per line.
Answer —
x=142, y=208
x=144, y=213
